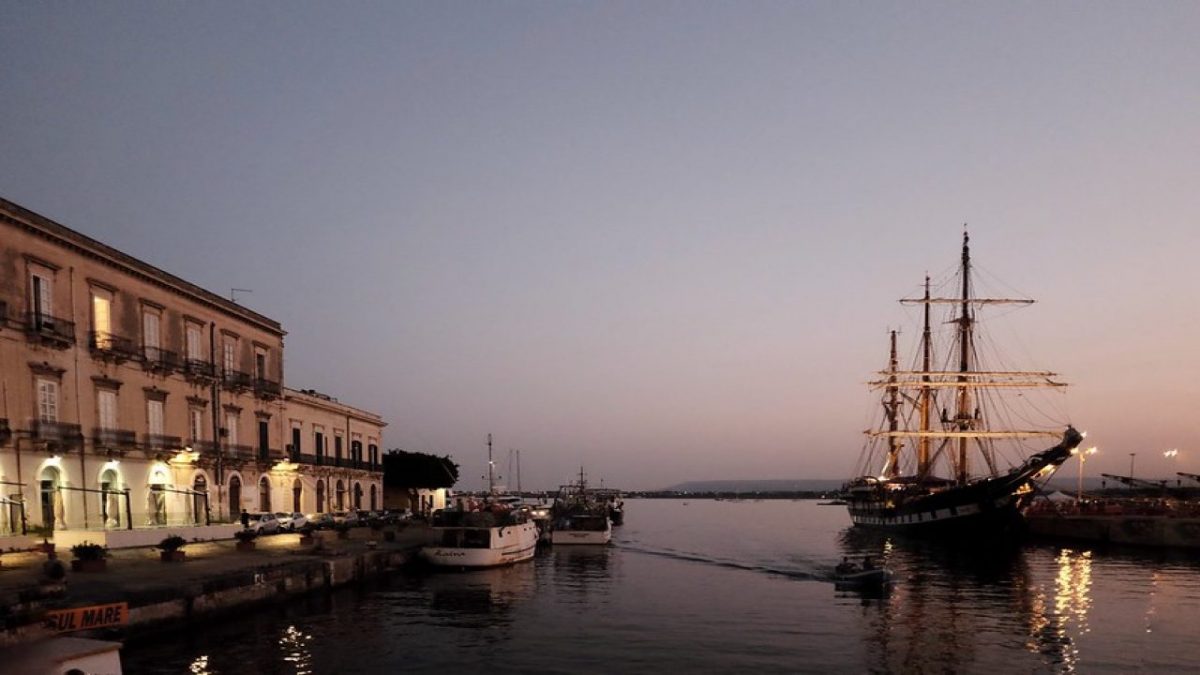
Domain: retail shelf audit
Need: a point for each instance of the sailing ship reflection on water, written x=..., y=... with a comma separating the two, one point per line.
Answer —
x=947, y=599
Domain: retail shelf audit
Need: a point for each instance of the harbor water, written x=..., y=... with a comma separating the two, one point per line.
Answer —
x=729, y=586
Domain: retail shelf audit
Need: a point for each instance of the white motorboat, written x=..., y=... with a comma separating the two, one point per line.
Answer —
x=491, y=537
x=497, y=532
x=582, y=528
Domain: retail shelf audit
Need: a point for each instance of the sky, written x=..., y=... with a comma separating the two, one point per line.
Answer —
x=661, y=240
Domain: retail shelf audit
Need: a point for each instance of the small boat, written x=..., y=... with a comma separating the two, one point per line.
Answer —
x=579, y=517
x=833, y=502
x=496, y=532
x=851, y=575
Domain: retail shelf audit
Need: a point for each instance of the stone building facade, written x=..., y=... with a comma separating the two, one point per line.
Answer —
x=132, y=398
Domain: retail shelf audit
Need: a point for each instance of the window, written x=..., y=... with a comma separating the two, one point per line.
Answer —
x=102, y=318
x=296, y=442
x=195, y=424
x=154, y=419
x=229, y=352
x=150, y=341
x=337, y=449
x=231, y=428
x=41, y=287
x=106, y=406
x=47, y=400
x=319, y=444
x=194, y=350
x=260, y=363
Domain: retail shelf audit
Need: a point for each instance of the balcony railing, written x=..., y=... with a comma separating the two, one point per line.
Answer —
x=199, y=369
x=156, y=358
x=267, y=388
x=111, y=345
x=114, y=438
x=301, y=458
x=61, y=432
x=236, y=379
x=237, y=451
x=50, y=330
x=161, y=442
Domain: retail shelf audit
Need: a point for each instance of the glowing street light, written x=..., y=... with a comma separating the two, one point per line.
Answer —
x=1171, y=453
x=1083, y=455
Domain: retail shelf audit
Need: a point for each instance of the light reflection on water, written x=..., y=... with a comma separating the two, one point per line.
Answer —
x=731, y=586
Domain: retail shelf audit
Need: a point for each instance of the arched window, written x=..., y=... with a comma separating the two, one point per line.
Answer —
x=235, y=497
x=341, y=496
x=264, y=495
x=373, y=502
x=110, y=498
x=157, y=496
x=320, y=496
x=297, y=492
x=51, y=499
x=358, y=496
x=200, y=500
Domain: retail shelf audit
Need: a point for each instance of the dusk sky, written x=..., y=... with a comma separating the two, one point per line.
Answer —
x=663, y=240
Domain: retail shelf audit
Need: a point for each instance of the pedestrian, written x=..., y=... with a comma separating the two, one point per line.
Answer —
x=245, y=520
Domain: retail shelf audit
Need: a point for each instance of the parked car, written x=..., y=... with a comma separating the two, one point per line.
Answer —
x=350, y=518
x=264, y=523
x=323, y=521
x=291, y=521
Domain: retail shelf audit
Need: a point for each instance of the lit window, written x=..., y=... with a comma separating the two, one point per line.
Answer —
x=47, y=400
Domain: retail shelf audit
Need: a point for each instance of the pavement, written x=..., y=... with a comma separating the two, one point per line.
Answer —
x=140, y=577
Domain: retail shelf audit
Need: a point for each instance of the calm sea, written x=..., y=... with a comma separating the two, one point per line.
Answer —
x=735, y=587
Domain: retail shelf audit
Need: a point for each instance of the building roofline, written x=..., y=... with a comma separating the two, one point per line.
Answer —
x=319, y=400
x=17, y=215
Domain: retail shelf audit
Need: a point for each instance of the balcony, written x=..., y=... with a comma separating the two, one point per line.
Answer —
x=199, y=370
x=58, y=432
x=109, y=346
x=50, y=330
x=113, y=438
x=236, y=451
x=236, y=380
x=267, y=389
x=163, y=443
x=301, y=458
x=160, y=360
x=205, y=448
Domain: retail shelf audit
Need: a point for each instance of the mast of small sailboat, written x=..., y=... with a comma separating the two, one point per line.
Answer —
x=964, y=359
x=491, y=469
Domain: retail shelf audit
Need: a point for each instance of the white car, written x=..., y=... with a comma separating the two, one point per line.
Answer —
x=291, y=521
x=264, y=523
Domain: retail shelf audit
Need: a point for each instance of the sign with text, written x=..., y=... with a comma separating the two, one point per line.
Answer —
x=86, y=618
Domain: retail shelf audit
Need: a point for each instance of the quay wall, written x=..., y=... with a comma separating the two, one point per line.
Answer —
x=217, y=594
x=1127, y=530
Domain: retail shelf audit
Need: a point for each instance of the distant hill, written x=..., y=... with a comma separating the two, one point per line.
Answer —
x=779, y=485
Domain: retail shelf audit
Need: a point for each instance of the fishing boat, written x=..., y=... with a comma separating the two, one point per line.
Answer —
x=579, y=516
x=853, y=575
x=491, y=533
x=942, y=459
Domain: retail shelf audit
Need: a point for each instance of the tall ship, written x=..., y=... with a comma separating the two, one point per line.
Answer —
x=961, y=441
x=490, y=533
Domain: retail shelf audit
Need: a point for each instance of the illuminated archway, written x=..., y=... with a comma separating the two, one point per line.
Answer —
x=264, y=495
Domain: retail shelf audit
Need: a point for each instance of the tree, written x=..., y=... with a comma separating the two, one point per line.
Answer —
x=413, y=471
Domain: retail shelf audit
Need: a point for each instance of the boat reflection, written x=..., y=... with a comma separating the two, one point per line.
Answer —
x=295, y=646
x=481, y=596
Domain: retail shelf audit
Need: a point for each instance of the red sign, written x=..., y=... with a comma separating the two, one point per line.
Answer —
x=86, y=618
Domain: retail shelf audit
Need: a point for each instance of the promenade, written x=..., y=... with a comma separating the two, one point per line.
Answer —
x=214, y=577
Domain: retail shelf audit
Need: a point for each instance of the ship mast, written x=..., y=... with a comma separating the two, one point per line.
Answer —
x=926, y=392
x=892, y=468
x=491, y=471
x=965, y=335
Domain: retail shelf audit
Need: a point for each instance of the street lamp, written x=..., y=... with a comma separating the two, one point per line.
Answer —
x=1131, y=456
x=1171, y=454
x=1083, y=455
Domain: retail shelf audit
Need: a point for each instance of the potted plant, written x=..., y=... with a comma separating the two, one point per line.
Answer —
x=306, y=535
x=172, y=548
x=245, y=539
x=89, y=557
x=342, y=529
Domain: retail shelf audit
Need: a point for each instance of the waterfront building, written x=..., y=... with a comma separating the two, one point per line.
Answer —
x=130, y=398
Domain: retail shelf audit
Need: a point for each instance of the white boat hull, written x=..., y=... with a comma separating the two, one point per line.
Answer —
x=510, y=544
x=597, y=537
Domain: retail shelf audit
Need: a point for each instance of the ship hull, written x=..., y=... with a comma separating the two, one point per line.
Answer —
x=985, y=508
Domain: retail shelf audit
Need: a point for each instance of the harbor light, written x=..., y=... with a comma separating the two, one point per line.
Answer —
x=1170, y=453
